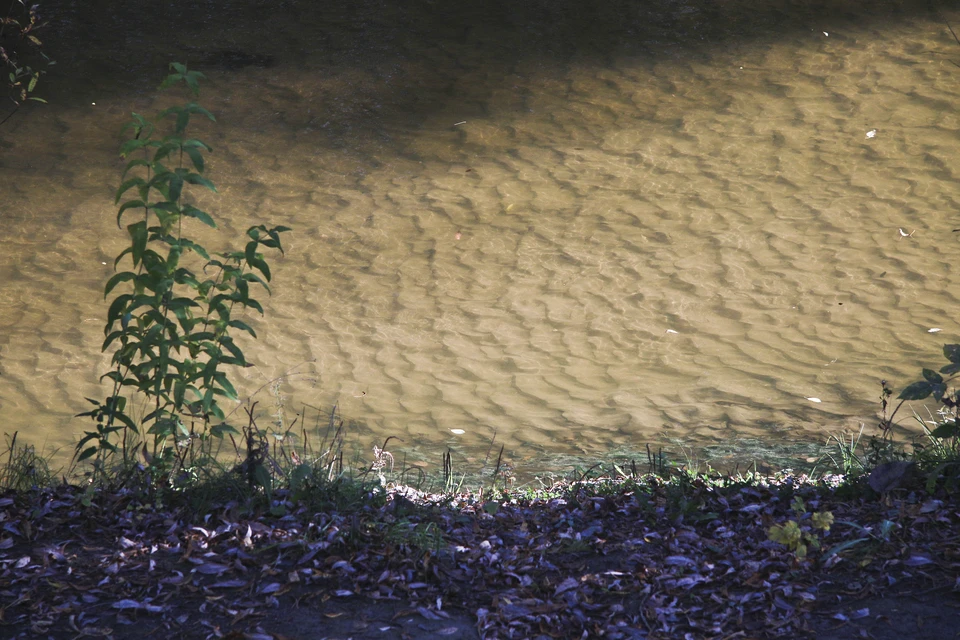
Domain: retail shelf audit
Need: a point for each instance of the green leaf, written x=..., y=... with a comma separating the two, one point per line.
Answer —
x=183, y=119
x=129, y=204
x=255, y=261
x=193, y=107
x=87, y=453
x=916, y=391
x=196, y=157
x=202, y=216
x=950, y=369
x=225, y=384
x=243, y=326
x=947, y=430
x=174, y=187
x=197, y=179
x=125, y=186
x=106, y=343
x=117, y=308
x=262, y=478
x=234, y=350
x=222, y=429
x=843, y=546
x=300, y=473
x=123, y=276
x=138, y=236
x=168, y=146
x=952, y=352
x=128, y=147
x=932, y=376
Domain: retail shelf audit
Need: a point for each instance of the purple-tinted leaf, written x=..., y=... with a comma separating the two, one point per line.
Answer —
x=228, y=584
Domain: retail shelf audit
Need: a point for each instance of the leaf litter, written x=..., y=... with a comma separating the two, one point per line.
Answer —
x=631, y=559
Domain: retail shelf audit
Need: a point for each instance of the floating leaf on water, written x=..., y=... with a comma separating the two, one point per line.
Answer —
x=127, y=604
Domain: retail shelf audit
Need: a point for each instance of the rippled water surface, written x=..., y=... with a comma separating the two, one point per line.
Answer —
x=582, y=227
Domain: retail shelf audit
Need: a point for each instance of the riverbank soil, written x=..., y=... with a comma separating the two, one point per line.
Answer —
x=630, y=559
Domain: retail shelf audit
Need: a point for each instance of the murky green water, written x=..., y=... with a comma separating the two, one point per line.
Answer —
x=580, y=227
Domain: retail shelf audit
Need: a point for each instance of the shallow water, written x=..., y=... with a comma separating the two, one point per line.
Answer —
x=579, y=227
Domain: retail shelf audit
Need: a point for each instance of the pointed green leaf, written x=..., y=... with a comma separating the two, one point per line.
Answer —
x=947, y=430
x=243, y=326
x=202, y=216
x=195, y=157
x=916, y=391
x=125, y=186
x=197, y=179
x=952, y=352
x=123, y=276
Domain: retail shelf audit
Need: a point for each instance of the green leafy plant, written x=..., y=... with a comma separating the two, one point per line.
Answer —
x=18, y=43
x=171, y=328
x=798, y=537
x=22, y=468
x=941, y=453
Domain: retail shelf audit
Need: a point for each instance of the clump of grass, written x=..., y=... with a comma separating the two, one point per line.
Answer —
x=23, y=468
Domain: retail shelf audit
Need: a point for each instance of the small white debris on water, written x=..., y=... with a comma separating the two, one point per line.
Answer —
x=871, y=134
x=904, y=234
x=934, y=330
x=104, y=263
x=671, y=331
x=826, y=34
x=457, y=432
x=94, y=103
x=457, y=124
x=814, y=399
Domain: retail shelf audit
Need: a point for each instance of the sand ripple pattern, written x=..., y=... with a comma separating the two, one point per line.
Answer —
x=578, y=254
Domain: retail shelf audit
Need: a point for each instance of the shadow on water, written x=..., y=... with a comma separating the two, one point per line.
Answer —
x=106, y=47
